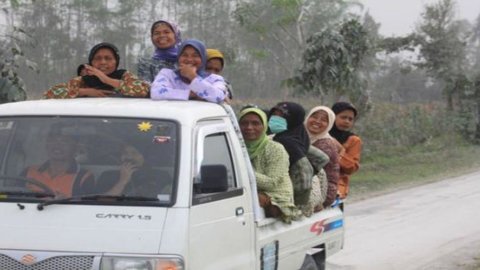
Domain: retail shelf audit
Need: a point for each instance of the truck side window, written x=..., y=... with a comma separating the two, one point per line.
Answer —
x=216, y=163
x=217, y=152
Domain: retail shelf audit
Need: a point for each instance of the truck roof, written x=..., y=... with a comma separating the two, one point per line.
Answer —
x=115, y=107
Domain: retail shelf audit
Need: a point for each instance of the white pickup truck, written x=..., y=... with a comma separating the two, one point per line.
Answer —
x=203, y=213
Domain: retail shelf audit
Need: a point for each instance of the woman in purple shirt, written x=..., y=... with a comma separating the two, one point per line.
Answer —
x=189, y=80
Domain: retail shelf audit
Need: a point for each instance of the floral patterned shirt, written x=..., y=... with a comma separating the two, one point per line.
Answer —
x=130, y=86
x=168, y=85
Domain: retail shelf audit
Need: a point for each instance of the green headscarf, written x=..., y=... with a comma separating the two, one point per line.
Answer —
x=256, y=146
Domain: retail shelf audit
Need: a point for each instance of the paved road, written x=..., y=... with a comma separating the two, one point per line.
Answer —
x=435, y=226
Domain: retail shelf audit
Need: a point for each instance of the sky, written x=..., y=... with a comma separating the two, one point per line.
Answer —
x=399, y=17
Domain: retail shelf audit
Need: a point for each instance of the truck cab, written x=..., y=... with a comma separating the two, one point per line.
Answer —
x=190, y=204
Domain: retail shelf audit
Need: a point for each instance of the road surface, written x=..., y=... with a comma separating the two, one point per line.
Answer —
x=435, y=226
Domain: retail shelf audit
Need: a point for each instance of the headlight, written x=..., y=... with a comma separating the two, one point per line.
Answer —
x=141, y=263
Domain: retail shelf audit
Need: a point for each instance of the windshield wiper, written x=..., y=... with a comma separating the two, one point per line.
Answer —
x=6, y=194
x=95, y=197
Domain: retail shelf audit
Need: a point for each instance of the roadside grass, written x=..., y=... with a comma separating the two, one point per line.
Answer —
x=399, y=167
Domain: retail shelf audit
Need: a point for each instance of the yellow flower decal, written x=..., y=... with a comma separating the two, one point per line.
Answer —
x=144, y=126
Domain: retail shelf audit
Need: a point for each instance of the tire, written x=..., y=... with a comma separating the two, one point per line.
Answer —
x=314, y=261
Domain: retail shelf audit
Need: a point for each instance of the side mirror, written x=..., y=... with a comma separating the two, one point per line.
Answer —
x=213, y=178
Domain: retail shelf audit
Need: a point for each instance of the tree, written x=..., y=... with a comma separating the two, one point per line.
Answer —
x=442, y=42
x=12, y=87
x=274, y=34
x=332, y=63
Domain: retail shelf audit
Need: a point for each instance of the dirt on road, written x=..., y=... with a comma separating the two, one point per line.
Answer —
x=435, y=226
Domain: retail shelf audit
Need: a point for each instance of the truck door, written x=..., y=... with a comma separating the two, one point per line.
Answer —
x=221, y=214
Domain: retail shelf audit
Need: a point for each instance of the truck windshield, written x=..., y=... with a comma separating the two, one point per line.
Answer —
x=47, y=158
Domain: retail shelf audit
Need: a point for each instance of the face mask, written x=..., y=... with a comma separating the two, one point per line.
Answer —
x=277, y=124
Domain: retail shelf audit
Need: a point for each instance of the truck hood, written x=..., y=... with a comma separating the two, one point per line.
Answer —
x=82, y=228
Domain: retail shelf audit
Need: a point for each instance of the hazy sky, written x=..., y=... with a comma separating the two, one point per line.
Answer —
x=398, y=17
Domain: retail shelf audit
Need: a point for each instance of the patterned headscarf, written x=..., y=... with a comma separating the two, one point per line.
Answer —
x=331, y=121
x=168, y=54
x=255, y=147
x=200, y=48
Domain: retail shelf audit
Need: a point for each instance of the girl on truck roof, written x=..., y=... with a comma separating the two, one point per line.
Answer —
x=270, y=162
x=103, y=78
x=166, y=38
x=189, y=80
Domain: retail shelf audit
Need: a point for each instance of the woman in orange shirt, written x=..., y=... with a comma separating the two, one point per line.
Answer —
x=349, y=144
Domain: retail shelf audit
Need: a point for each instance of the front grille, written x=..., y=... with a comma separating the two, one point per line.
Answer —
x=53, y=263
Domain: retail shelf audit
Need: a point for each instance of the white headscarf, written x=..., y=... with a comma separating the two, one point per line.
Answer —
x=331, y=121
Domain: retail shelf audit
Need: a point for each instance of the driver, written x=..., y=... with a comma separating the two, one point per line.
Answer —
x=61, y=173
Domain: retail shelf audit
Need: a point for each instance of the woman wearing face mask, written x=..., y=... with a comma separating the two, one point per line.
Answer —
x=270, y=162
x=318, y=122
x=103, y=78
x=286, y=123
x=189, y=80
x=350, y=144
x=166, y=38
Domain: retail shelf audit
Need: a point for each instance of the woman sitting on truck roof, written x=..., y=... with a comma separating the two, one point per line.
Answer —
x=270, y=162
x=166, y=38
x=103, y=78
x=189, y=80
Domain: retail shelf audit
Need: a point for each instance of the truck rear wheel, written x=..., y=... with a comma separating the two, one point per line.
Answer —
x=314, y=261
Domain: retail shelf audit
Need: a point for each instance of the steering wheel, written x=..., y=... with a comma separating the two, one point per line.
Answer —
x=42, y=186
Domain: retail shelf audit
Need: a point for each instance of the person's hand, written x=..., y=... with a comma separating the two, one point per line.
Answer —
x=96, y=72
x=92, y=92
x=193, y=96
x=126, y=171
x=188, y=71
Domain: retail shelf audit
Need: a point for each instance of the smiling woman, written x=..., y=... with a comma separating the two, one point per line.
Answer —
x=103, y=78
x=166, y=37
x=189, y=80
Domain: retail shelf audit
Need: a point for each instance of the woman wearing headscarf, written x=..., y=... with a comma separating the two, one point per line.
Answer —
x=189, y=80
x=270, y=162
x=103, y=78
x=318, y=122
x=286, y=122
x=350, y=144
x=166, y=38
x=215, y=65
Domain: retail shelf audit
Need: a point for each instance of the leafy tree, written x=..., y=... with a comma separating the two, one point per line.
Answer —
x=442, y=42
x=12, y=86
x=332, y=63
x=274, y=34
